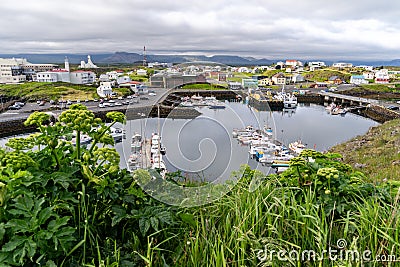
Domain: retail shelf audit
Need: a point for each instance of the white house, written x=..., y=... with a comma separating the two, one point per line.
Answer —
x=279, y=78
x=342, y=65
x=244, y=70
x=104, y=78
x=105, y=90
x=369, y=75
x=82, y=77
x=57, y=75
x=123, y=79
x=293, y=63
x=382, y=76
x=358, y=79
x=297, y=78
x=141, y=72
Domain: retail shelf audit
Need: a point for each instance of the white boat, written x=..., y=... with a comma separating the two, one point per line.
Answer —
x=197, y=97
x=117, y=134
x=187, y=104
x=216, y=105
x=133, y=159
x=239, y=132
x=267, y=131
x=210, y=98
x=157, y=162
x=297, y=147
x=136, y=137
x=155, y=139
x=289, y=101
x=269, y=159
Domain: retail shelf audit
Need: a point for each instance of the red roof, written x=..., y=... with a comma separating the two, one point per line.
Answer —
x=81, y=71
x=59, y=70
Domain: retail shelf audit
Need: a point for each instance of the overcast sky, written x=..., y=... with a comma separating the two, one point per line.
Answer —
x=337, y=29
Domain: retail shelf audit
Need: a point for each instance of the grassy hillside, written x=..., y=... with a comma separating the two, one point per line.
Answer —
x=324, y=75
x=48, y=91
x=377, y=153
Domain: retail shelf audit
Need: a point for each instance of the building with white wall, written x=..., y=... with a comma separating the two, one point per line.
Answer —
x=382, y=76
x=57, y=75
x=82, y=77
x=341, y=65
x=358, y=79
x=88, y=65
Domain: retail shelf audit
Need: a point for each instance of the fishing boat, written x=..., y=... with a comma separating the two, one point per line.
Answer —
x=239, y=132
x=297, y=147
x=187, y=104
x=289, y=101
x=133, y=159
x=216, y=105
x=197, y=97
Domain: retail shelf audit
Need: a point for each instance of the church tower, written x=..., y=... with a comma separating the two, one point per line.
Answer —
x=66, y=66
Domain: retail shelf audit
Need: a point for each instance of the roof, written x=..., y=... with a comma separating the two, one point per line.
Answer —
x=357, y=76
x=82, y=71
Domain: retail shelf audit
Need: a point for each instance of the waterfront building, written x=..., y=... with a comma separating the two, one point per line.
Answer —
x=250, y=83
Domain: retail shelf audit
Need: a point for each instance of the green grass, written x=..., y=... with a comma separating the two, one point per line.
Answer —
x=324, y=75
x=378, y=150
x=376, y=87
x=48, y=91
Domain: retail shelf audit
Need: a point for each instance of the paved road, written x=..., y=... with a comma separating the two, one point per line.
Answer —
x=25, y=111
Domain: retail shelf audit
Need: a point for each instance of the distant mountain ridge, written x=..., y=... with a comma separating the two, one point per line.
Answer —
x=131, y=58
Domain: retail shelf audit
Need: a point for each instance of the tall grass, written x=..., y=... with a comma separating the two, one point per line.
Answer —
x=243, y=228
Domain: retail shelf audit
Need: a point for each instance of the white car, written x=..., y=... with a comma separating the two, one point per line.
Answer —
x=101, y=105
x=152, y=94
x=118, y=104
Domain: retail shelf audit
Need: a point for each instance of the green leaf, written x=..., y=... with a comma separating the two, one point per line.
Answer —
x=15, y=242
x=30, y=247
x=54, y=225
x=19, y=226
x=144, y=226
x=44, y=215
x=24, y=203
x=154, y=223
x=2, y=231
x=188, y=218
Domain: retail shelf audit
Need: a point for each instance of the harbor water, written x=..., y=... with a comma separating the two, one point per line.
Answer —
x=204, y=149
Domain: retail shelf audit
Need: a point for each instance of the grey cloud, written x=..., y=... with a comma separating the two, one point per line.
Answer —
x=285, y=28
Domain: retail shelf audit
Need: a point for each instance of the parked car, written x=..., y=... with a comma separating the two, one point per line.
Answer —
x=42, y=103
x=393, y=107
x=101, y=105
x=14, y=107
x=144, y=98
x=69, y=102
x=118, y=104
x=95, y=100
x=120, y=98
x=152, y=94
x=126, y=102
x=21, y=104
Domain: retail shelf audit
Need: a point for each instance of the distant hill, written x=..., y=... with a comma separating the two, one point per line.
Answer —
x=130, y=58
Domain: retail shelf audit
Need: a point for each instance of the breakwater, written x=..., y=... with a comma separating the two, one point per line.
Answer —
x=380, y=114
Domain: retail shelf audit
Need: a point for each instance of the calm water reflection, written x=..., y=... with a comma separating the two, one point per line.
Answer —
x=204, y=149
